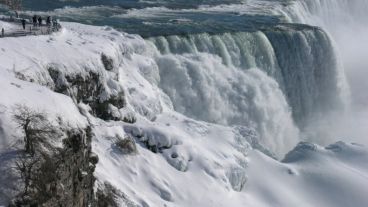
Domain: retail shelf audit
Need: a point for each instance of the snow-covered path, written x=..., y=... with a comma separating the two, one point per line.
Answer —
x=14, y=29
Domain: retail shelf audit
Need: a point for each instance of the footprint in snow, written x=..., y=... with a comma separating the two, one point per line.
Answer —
x=16, y=85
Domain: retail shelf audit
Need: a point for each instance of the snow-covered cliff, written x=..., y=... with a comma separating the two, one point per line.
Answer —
x=149, y=154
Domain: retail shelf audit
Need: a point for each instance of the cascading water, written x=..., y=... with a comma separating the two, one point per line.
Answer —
x=203, y=86
x=314, y=84
x=345, y=21
x=328, y=14
x=215, y=78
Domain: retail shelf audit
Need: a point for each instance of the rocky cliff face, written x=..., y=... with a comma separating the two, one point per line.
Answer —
x=58, y=176
x=75, y=180
x=63, y=176
x=92, y=88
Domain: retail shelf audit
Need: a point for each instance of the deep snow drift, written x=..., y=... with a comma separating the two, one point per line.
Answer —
x=193, y=163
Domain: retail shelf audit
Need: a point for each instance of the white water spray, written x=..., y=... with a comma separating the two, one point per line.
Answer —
x=346, y=21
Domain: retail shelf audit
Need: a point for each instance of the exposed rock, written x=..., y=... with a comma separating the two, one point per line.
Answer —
x=301, y=151
x=93, y=158
x=64, y=178
x=81, y=88
x=174, y=155
x=108, y=109
x=90, y=89
x=107, y=62
x=178, y=162
x=129, y=118
x=75, y=177
x=127, y=145
x=108, y=196
x=153, y=139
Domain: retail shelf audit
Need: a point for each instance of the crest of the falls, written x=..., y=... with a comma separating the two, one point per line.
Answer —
x=327, y=13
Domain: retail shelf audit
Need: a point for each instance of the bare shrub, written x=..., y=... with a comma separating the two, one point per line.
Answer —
x=25, y=165
x=35, y=127
x=127, y=145
x=12, y=4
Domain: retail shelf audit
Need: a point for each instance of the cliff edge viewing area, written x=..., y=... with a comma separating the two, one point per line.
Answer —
x=13, y=27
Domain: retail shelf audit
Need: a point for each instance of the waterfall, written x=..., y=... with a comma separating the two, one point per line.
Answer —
x=301, y=60
x=346, y=23
x=202, y=86
x=267, y=79
x=277, y=79
x=313, y=80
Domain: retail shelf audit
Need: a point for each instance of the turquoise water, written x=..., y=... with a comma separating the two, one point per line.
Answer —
x=127, y=4
x=155, y=18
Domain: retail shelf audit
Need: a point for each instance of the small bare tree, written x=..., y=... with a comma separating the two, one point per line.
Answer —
x=35, y=127
x=26, y=165
x=38, y=178
x=12, y=4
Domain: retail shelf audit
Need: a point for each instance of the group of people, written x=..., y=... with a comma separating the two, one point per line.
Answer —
x=37, y=21
x=51, y=24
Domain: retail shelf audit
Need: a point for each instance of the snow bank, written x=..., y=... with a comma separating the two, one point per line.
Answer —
x=7, y=26
x=311, y=175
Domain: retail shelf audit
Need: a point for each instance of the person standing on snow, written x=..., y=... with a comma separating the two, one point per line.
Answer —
x=40, y=21
x=48, y=21
x=34, y=20
x=24, y=24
